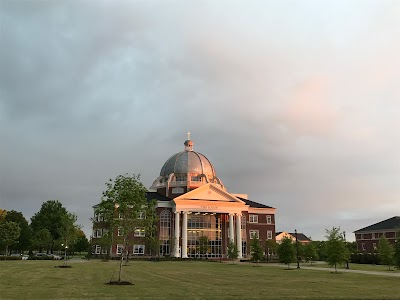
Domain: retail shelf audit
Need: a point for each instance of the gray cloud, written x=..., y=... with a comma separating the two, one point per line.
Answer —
x=294, y=103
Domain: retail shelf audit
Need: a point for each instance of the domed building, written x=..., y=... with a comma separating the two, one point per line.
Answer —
x=197, y=216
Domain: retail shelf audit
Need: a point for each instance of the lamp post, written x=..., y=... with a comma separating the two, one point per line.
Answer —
x=345, y=243
x=297, y=249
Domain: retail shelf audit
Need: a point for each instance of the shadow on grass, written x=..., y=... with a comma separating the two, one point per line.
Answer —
x=119, y=283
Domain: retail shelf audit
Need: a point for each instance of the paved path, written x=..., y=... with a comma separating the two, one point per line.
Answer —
x=388, y=273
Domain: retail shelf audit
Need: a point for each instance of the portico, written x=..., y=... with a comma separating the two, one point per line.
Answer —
x=209, y=209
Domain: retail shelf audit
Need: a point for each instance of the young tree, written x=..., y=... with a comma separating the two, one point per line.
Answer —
x=67, y=232
x=203, y=245
x=310, y=253
x=335, y=247
x=150, y=228
x=9, y=233
x=286, y=251
x=50, y=217
x=386, y=252
x=256, y=250
x=397, y=251
x=233, y=252
x=124, y=205
x=270, y=247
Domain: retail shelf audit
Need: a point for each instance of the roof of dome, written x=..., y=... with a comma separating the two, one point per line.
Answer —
x=188, y=161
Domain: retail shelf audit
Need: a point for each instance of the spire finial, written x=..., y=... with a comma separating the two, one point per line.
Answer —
x=188, y=134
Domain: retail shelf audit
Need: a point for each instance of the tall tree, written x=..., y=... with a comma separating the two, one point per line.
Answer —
x=386, y=252
x=233, y=252
x=256, y=250
x=25, y=237
x=286, y=251
x=42, y=239
x=335, y=247
x=124, y=205
x=81, y=243
x=9, y=233
x=51, y=217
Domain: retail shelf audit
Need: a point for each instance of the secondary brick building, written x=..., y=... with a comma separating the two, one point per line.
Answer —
x=367, y=238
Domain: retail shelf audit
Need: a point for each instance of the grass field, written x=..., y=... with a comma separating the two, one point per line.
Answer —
x=186, y=280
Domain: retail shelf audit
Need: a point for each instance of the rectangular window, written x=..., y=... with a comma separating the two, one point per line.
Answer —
x=138, y=249
x=254, y=234
x=140, y=232
x=141, y=215
x=98, y=249
x=363, y=246
x=374, y=246
x=120, y=248
x=253, y=218
x=104, y=250
x=119, y=232
x=269, y=235
x=269, y=219
x=374, y=235
x=97, y=233
x=98, y=217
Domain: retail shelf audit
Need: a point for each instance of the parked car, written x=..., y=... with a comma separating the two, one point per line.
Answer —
x=56, y=257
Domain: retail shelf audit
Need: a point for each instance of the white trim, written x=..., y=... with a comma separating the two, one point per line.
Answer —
x=253, y=218
x=255, y=233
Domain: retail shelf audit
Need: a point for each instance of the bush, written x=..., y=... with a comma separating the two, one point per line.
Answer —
x=365, y=258
x=11, y=258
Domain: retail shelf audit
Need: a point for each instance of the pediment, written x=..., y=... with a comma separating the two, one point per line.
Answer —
x=209, y=192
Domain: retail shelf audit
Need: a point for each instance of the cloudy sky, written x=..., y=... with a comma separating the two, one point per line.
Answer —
x=296, y=103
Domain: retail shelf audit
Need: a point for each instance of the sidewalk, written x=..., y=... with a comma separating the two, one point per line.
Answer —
x=293, y=266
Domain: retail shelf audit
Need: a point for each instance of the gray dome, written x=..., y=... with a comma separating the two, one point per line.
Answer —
x=188, y=162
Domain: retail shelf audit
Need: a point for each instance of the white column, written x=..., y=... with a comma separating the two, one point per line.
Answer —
x=184, y=235
x=231, y=231
x=176, y=235
x=239, y=234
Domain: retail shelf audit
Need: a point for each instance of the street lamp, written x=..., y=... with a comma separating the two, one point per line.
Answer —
x=345, y=243
x=297, y=249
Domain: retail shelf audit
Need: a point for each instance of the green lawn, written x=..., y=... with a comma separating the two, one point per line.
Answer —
x=186, y=280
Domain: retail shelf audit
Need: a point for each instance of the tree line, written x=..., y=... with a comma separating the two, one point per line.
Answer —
x=51, y=229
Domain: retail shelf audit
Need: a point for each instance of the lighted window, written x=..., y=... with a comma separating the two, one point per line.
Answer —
x=253, y=218
x=269, y=235
x=138, y=249
x=269, y=219
x=139, y=232
x=254, y=234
